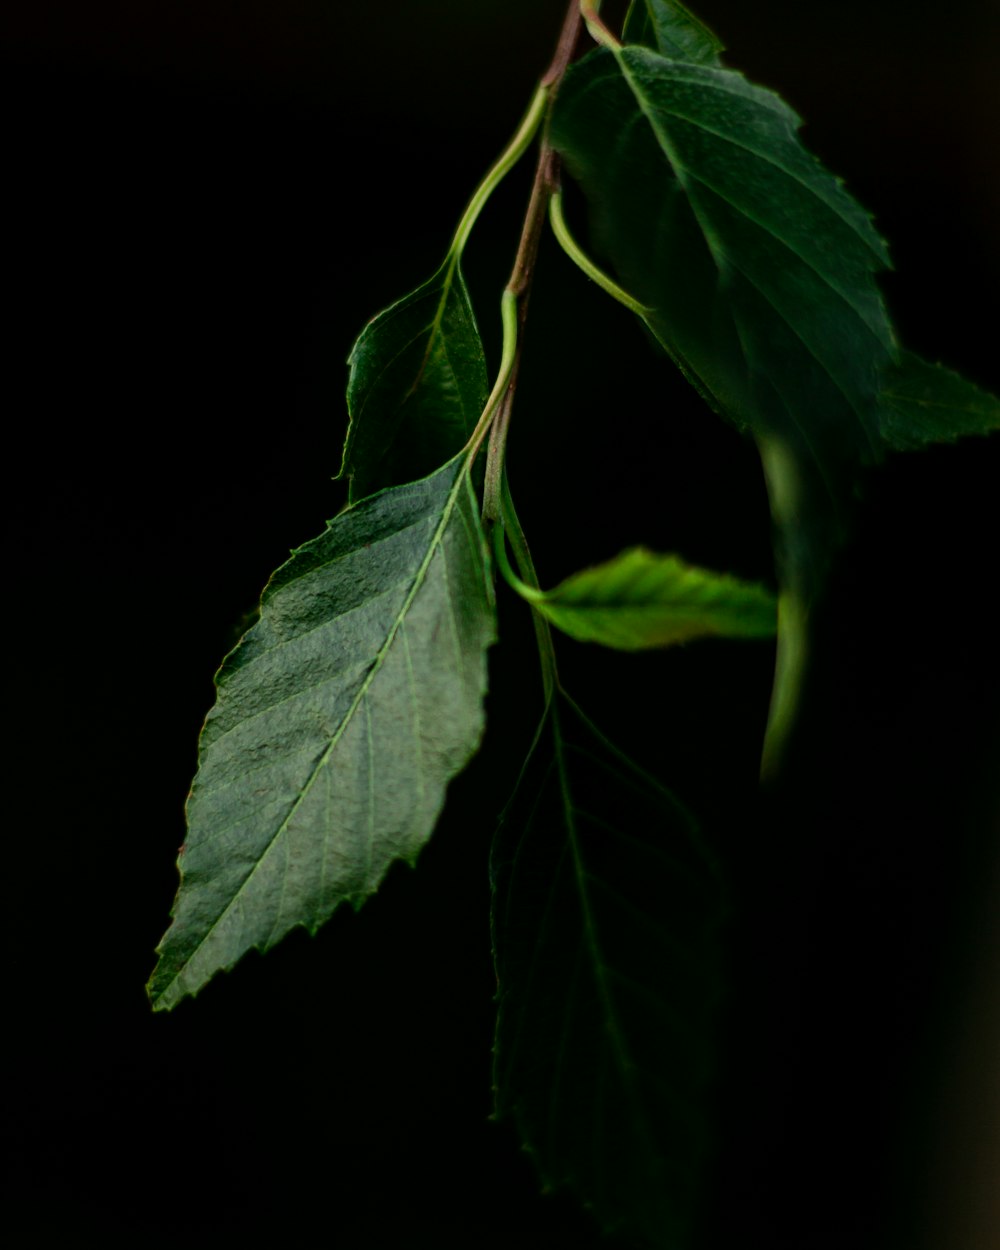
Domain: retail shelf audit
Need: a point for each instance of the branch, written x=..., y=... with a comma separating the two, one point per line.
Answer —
x=545, y=184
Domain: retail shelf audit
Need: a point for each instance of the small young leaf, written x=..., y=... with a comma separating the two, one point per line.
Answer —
x=671, y=29
x=924, y=403
x=640, y=600
x=340, y=719
x=417, y=386
x=606, y=921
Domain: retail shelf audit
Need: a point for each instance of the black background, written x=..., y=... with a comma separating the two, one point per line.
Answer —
x=204, y=202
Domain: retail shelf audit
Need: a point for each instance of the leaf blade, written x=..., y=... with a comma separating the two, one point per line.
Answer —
x=739, y=216
x=417, y=385
x=370, y=650
x=606, y=915
x=640, y=600
x=760, y=273
x=924, y=403
x=673, y=30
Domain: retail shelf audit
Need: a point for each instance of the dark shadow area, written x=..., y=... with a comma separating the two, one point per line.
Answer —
x=201, y=215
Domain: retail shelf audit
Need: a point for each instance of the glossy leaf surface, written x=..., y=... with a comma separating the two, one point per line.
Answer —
x=417, y=386
x=640, y=599
x=340, y=718
x=606, y=920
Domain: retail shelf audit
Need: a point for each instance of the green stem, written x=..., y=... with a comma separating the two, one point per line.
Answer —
x=508, y=357
x=514, y=303
x=508, y=529
x=590, y=12
x=504, y=164
x=572, y=249
x=522, y=558
x=784, y=489
x=790, y=665
x=498, y=507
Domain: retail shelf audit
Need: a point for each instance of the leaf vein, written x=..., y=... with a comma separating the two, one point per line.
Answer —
x=419, y=580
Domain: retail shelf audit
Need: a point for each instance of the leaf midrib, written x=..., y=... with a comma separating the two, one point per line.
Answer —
x=716, y=79
x=623, y=1058
x=458, y=486
x=450, y=269
x=432, y=329
x=290, y=642
x=767, y=229
x=683, y=172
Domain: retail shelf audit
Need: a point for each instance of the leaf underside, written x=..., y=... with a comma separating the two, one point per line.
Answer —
x=417, y=386
x=606, y=931
x=340, y=718
x=640, y=599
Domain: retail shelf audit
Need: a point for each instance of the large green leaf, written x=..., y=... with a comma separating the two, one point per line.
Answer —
x=340, y=719
x=417, y=385
x=924, y=403
x=759, y=270
x=641, y=599
x=607, y=912
x=758, y=266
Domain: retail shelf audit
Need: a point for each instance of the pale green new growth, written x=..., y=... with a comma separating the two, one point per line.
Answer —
x=640, y=600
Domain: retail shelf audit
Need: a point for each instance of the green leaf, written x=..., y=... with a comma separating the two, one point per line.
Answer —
x=924, y=403
x=758, y=265
x=417, y=386
x=640, y=599
x=606, y=923
x=671, y=29
x=340, y=719
x=760, y=272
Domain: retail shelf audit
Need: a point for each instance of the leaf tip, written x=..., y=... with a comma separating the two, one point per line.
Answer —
x=158, y=994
